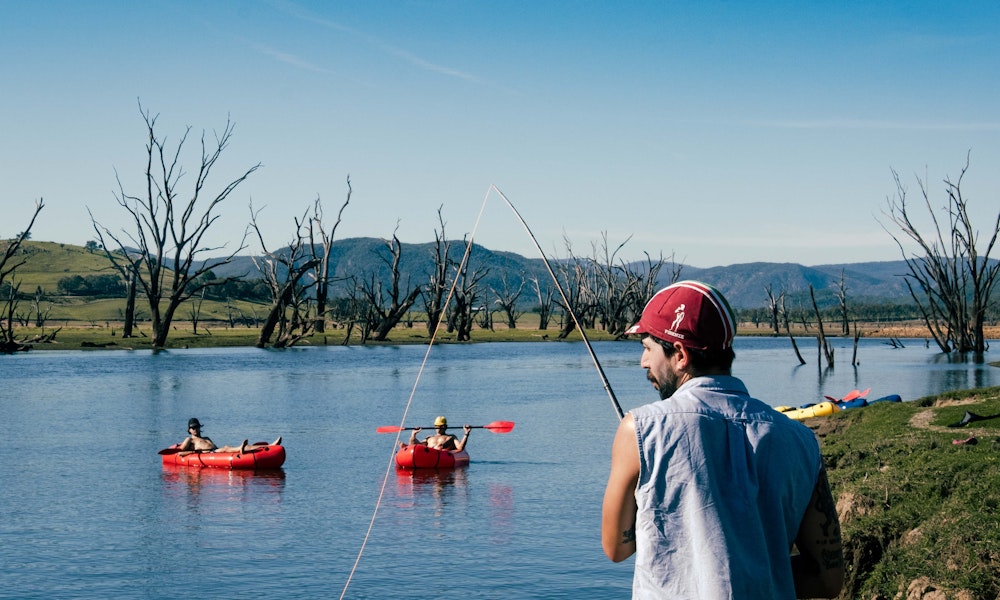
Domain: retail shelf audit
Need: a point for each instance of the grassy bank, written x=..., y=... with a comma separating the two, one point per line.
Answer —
x=919, y=514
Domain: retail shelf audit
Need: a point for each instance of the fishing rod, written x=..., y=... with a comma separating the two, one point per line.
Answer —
x=497, y=426
x=566, y=303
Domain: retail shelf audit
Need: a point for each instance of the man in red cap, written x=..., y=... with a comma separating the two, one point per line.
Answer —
x=710, y=488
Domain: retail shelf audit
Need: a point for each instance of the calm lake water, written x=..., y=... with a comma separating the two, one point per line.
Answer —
x=89, y=512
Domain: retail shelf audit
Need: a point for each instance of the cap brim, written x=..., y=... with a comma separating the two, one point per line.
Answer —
x=637, y=328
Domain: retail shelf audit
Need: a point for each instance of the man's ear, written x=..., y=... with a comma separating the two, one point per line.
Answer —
x=682, y=357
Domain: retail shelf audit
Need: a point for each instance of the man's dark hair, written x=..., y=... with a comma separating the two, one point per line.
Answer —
x=702, y=361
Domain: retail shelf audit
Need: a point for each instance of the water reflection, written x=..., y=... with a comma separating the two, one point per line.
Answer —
x=956, y=358
x=501, y=513
x=222, y=484
x=956, y=371
x=434, y=483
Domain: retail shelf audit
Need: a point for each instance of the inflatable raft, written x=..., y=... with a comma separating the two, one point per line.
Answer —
x=856, y=403
x=418, y=456
x=257, y=459
x=889, y=398
x=822, y=409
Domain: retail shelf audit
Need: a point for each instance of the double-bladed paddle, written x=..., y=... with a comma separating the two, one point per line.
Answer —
x=495, y=427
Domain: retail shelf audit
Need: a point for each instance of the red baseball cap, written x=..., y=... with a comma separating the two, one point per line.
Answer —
x=690, y=312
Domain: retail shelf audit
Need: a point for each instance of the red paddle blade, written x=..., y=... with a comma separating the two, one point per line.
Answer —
x=500, y=426
x=851, y=396
x=864, y=394
x=389, y=429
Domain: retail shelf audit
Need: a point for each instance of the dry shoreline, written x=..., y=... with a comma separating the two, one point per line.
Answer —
x=107, y=335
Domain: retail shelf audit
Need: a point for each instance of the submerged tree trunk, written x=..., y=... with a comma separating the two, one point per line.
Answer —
x=788, y=330
x=824, y=345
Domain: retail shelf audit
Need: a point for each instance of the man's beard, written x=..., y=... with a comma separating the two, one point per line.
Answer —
x=665, y=389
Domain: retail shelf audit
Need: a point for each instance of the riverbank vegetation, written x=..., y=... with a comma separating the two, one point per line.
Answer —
x=920, y=514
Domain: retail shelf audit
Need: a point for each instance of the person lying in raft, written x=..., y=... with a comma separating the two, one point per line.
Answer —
x=195, y=442
x=442, y=440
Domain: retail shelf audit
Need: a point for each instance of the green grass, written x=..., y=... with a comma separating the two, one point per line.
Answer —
x=48, y=262
x=913, y=505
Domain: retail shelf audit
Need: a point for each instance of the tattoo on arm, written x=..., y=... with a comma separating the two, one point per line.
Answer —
x=628, y=536
x=830, y=525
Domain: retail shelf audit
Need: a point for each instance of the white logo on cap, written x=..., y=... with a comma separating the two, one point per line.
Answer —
x=680, y=317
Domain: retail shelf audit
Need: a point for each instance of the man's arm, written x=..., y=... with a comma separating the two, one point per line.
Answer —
x=413, y=437
x=460, y=445
x=619, y=510
x=818, y=569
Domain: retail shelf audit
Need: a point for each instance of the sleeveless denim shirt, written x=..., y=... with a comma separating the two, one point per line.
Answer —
x=723, y=483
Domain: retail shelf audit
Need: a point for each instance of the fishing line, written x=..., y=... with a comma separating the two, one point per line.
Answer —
x=413, y=391
x=409, y=402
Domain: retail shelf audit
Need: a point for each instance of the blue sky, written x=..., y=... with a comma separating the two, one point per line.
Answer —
x=717, y=132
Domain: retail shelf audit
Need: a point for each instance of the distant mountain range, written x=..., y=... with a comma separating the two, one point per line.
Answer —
x=743, y=284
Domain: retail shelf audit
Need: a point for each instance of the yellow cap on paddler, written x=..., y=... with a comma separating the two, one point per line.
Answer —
x=440, y=421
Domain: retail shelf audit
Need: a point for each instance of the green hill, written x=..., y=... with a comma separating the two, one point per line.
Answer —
x=743, y=284
x=48, y=262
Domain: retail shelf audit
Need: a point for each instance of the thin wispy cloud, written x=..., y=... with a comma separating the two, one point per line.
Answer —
x=293, y=60
x=429, y=66
x=299, y=12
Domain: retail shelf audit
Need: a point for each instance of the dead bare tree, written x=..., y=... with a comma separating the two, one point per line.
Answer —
x=572, y=282
x=437, y=286
x=545, y=300
x=615, y=287
x=825, y=349
x=195, y=310
x=388, y=306
x=322, y=270
x=773, y=304
x=131, y=287
x=127, y=267
x=854, y=353
x=483, y=313
x=11, y=258
x=951, y=274
x=288, y=320
x=168, y=231
x=845, y=323
x=41, y=312
x=613, y=290
x=461, y=313
x=788, y=329
x=572, y=277
x=507, y=298
x=353, y=311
